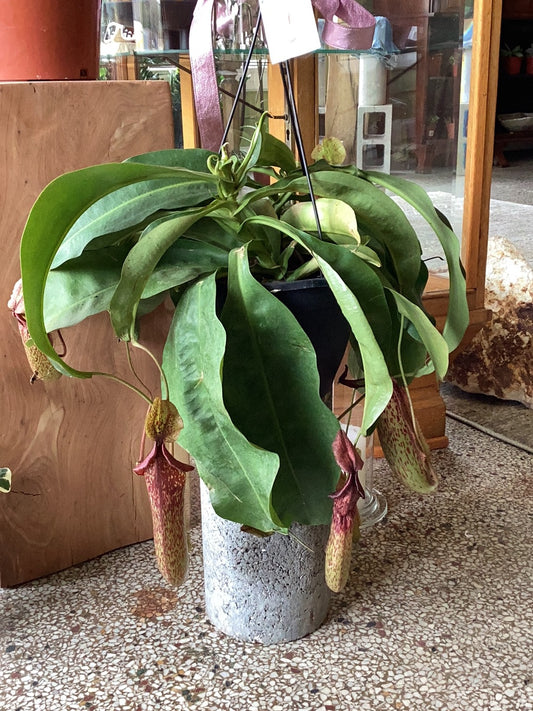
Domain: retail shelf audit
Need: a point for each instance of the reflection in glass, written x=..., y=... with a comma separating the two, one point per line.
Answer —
x=402, y=107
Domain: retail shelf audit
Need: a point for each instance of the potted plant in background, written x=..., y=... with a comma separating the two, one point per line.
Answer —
x=529, y=60
x=239, y=375
x=432, y=125
x=512, y=59
x=450, y=126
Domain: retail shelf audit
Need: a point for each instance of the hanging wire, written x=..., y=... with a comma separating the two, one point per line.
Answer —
x=289, y=95
x=242, y=80
x=293, y=114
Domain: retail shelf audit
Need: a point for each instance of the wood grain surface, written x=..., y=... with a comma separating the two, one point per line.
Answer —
x=70, y=444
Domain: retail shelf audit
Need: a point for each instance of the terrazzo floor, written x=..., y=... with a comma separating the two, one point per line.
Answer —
x=437, y=616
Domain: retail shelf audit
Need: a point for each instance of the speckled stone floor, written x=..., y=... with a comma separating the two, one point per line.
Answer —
x=437, y=616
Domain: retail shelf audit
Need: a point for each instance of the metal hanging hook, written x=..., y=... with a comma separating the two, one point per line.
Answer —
x=293, y=115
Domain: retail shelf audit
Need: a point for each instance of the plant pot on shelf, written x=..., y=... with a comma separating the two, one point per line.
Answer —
x=529, y=64
x=512, y=65
x=435, y=64
x=51, y=39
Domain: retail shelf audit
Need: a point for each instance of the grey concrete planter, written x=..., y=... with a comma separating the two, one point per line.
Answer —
x=266, y=590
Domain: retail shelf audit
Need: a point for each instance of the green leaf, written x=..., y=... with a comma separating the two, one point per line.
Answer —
x=140, y=264
x=271, y=389
x=239, y=474
x=377, y=215
x=378, y=383
x=458, y=315
x=358, y=276
x=254, y=150
x=5, y=479
x=218, y=230
x=185, y=261
x=276, y=153
x=82, y=287
x=53, y=214
x=190, y=158
x=432, y=339
x=129, y=206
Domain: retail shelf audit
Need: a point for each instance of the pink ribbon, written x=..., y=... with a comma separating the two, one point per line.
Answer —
x=204, y=78
x=356, y=32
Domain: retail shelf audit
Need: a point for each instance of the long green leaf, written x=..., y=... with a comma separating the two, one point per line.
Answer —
x=129, y=206
x=239, y=474
x=358, y=276
x=271, y=389
x=458, y=315
x=53, y=214
x=185, y=261
x=379, y=217
x=190, y=158
x=378, y=383
x=140, y=264
x=432, y=339
x=218, y=230
x=377, y=214
x=84, y=286
x=276, y=153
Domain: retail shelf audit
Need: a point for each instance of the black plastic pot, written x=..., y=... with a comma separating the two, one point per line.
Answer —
x=312, y=303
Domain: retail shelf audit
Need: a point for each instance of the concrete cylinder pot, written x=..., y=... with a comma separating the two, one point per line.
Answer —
x=267, y=590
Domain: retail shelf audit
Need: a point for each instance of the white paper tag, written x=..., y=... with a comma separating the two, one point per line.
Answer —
x=290, y=28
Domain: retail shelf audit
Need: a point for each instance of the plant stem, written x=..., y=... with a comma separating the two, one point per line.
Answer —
x=116, y=378
x=404, y=381
x=136, y=375
x=152, y=356
x=350, y=407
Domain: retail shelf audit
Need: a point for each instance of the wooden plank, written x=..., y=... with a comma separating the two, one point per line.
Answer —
x=70, y=444
x=305, y=85
x=276, y=103
x=479, y=155
x=191, y=137
x=342, y=101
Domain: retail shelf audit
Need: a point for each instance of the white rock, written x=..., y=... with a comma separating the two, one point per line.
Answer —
x=499, y=359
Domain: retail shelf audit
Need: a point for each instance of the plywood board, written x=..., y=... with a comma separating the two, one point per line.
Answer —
x=71, y=445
